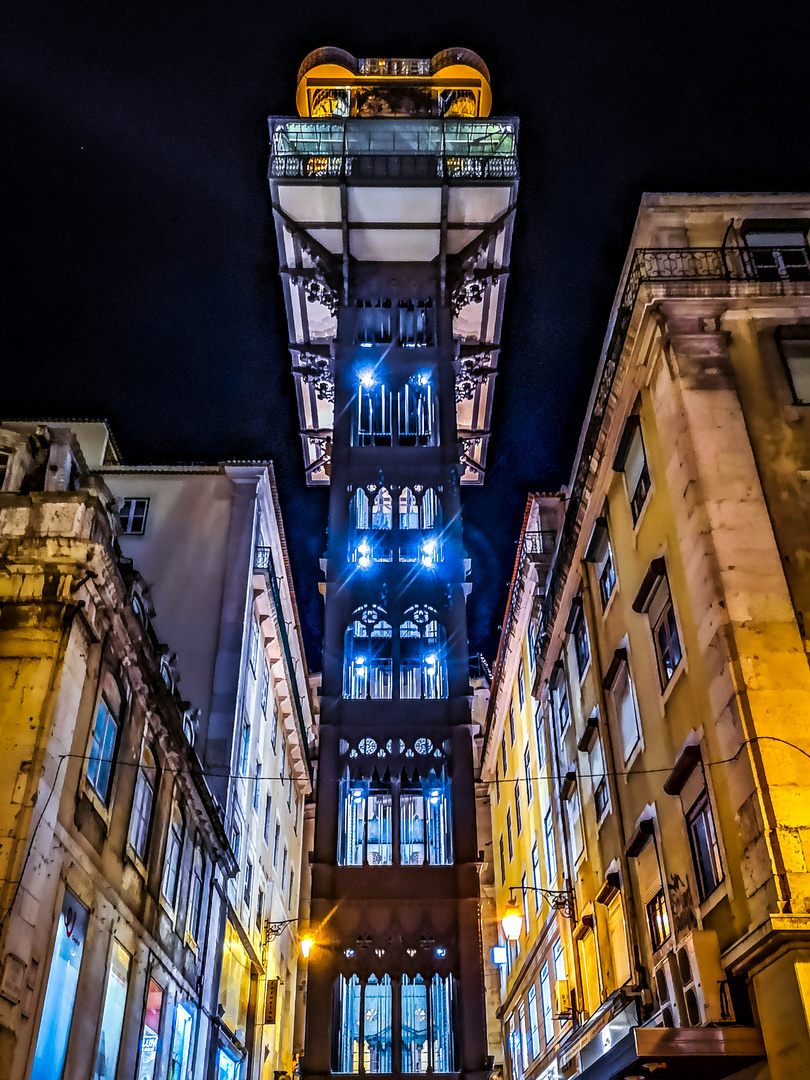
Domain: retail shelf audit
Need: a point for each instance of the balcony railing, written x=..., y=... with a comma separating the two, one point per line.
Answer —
x=665, y=266
x=450, y=149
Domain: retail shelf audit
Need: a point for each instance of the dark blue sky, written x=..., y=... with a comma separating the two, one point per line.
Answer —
x=140, y=275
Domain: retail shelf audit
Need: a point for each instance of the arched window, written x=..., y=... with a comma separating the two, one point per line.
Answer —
x=417, y=412
x=104, y=738
x=430, y=511
x=367, y=655
x=140, y=820
x=423, y=660
x=382, y=511
x=414, y=996
x=408, y=510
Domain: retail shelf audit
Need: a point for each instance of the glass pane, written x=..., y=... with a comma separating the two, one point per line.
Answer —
x=112, y=1018
x=414, y=1025
x=150, y=1034
x=377, y=1025
x=379, y=842
x=60, y=994
x=180, y=1063
x=441, y=1012
x=349, y=1031
x=412, y=828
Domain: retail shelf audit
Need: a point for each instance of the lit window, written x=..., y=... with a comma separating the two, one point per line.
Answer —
x=655, y=600
x=423, y=660
x=367, y=813
x=367, y=655
x=150, y=1032
x=794, y=347
x=372, y=415
x=112, y=1017
x=60, y=992
x=180, y=1062
x=133, y=516
x=651, y=892
x=631, y=459
x=104, y=742
x=417, y=411
x=371, y=1000
x=171, y=859
x=140, y=820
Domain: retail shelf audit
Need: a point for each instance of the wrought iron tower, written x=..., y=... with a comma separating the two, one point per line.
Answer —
x=393, y=196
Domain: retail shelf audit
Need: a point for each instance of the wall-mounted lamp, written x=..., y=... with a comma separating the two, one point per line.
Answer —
x=559, y=899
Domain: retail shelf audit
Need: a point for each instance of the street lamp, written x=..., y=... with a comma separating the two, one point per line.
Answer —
x=275, y=929
x=559, y=900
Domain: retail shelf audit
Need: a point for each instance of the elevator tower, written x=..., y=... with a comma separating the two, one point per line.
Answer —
x=393, y=196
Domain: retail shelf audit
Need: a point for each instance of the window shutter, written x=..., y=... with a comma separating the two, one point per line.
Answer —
x=618, y=939
x=648, y=872
x=626, y=709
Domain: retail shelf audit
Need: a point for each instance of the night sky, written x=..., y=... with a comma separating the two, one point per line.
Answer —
x=141, y=278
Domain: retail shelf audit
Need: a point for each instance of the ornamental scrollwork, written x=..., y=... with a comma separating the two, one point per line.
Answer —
x=319, y=292
x=473, y=370
x=318, y=371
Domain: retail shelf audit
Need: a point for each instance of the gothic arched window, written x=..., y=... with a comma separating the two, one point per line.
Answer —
x=367, y=654
x=423, y=659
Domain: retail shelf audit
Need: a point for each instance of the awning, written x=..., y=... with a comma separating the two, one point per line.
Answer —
x=679, y=1053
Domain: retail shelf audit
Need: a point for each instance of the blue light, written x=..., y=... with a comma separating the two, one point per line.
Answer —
x=367, y=379
x=423, y=378
x=441, y=953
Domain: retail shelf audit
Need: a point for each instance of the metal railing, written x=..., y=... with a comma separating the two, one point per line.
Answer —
x=666, y=266
x=263, y=561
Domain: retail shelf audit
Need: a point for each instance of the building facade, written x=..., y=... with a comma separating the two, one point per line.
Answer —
x=210, y=541
x=393, y=197
x=114, y=854
x=672, y=674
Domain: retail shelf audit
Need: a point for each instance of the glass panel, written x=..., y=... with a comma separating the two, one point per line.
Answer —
x=379, y=828
x=102, y=748
x=352, y=823
x=412, y=827
x=441, y=1013
x=414, y=1025
x=234, y=987
x=112, y=1018
x=60, y=994
x=439, y=828
x=180, y=1062
x=349, y=998
x=228, y=1066
x=150, y=1034
x=377, y=1025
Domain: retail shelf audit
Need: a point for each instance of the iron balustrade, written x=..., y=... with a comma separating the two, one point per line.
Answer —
x=378, y=148
x=263, y=562
x=664, y=266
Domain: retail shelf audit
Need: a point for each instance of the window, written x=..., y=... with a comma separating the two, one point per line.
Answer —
x=534, y=1024
x=290, y=791
x=524, y=895
x=417, y=410
x=423, y=660
x=655, y=600
x=551, y=847
x=236, y=839
x=573, y=809
x=522, y=1033
x=618, y=682
x=276, y=838
x=536, y=879
x=545, y=1001
x=651, y=892
x=559, y=698
x=511, y=724
x=180, y=1066
x=133, y=516
x=503, y=859
x=541, y=739
x=368, y=810
x=509, y=841
x=274, y=725
x=527, y=775
x=372, y=416
x=140, y=820
x=265, y=685
x=195, y=894
x=503, y=754
x=60, y=992
x=600, y=554
x=794, y=348
x=521, y=684
x=702, y=833
x=589, y=966
x=253, y=653
x=171, y=860
x=257, y=785
x=601, y=794
x=579, y=631
x=518, y=811
x=5, y=466
x=632, y=461
x=618, y=939
x=244, y=749
x=559, y=961
x=290, y=889
x=104, y=741
x=284, y=859
x=367, y=655
x=363, y=1025
x=777, y=249
x=268, y=807
x=497, y=783
x=247, y=894
x=531, y=643
x=112, y=1016
x=150, y=1032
